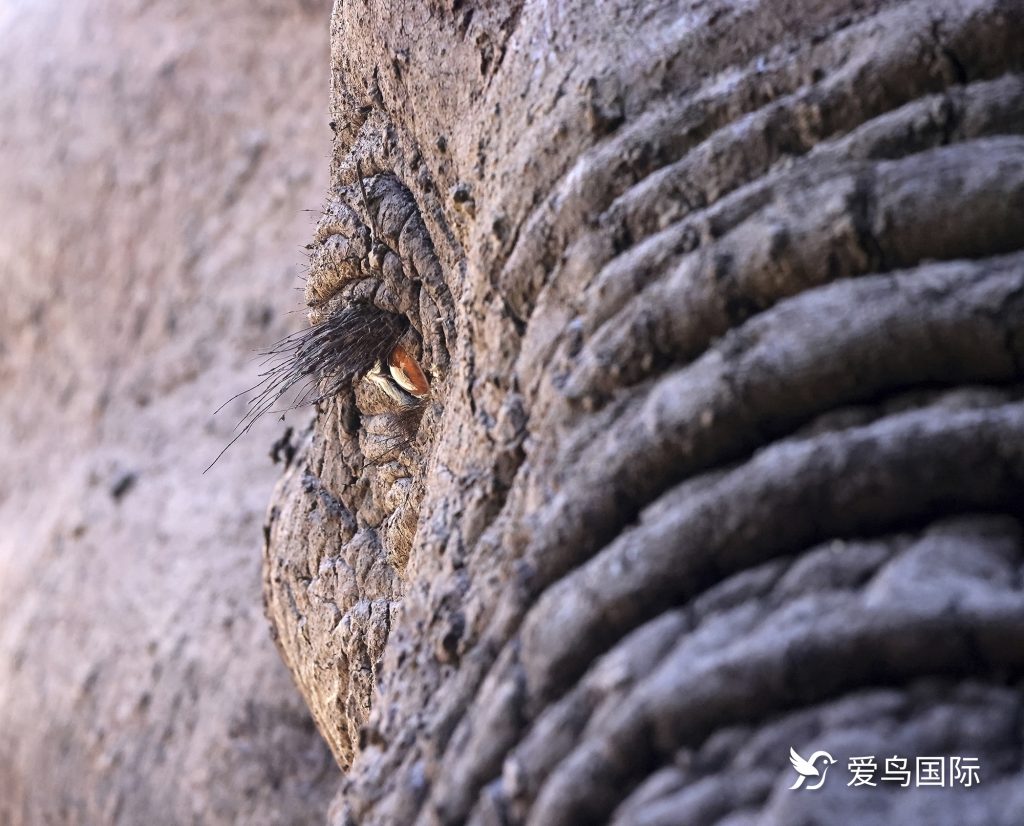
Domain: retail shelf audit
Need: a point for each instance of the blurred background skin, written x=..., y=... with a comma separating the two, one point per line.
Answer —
x=156, y=159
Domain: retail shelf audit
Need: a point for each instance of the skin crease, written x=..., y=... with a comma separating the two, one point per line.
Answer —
x=720, y=306
x=720, y=455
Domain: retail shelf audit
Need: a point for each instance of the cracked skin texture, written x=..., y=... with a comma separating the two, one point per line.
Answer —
x=721, y=307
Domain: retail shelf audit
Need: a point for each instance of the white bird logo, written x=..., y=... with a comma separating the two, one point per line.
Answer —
x=805, y=768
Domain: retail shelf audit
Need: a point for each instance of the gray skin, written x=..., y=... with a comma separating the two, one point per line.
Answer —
x=722, y=307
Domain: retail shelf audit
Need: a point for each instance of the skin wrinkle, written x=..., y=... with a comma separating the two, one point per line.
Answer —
x=578, y=195
x=840, y=640
x=703, y=785
x=817, y=114
x=751, y=594
x=374, y=292
x=682, y=520
x=526, y=482
x=691, y=302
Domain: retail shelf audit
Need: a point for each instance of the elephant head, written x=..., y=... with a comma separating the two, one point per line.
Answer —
x=667, y=361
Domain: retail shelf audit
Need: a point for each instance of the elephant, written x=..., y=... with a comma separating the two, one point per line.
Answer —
x=667, y=362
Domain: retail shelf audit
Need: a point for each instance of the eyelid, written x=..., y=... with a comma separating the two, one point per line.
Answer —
x=407, y=373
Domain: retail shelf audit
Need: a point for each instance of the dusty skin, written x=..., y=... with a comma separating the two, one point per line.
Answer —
x=721, y=310
x=722, y=307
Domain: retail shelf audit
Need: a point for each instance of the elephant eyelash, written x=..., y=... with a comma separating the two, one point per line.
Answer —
x=317, y=363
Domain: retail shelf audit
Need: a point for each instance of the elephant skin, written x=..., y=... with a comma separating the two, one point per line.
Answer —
x=722, y=307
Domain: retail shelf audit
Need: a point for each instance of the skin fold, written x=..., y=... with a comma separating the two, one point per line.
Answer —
x=720, y=311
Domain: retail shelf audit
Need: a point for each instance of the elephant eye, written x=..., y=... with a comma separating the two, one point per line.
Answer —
x=311, y=366
x=400, y=377
x=406, y=372
x=314, y=364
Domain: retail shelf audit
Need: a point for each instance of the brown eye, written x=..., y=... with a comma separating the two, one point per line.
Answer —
x=407, y=373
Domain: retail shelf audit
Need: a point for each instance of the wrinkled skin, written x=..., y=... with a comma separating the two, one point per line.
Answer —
x=721, y=307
